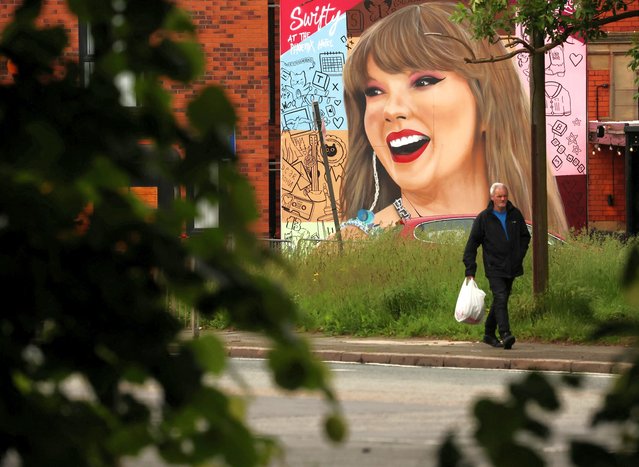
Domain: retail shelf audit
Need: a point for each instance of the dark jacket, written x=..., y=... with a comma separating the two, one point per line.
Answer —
x=502, y=257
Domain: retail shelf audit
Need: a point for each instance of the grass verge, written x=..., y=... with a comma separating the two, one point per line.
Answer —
x=386, y=286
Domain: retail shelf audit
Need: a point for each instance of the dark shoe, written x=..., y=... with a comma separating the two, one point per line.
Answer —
x=492, y=341
x=508, y=341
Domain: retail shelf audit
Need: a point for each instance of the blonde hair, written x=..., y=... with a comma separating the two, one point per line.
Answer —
x=398, y=43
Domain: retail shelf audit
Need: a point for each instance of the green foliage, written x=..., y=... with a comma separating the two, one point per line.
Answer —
x=501, y=424
x=88, y=267
x=555, y=19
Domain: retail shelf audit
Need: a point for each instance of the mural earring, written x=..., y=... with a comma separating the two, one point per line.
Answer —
x=365, y=217
x=376, y=178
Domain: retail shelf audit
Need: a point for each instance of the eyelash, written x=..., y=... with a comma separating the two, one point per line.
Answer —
x=372, y=91
x=420, y=82
x=427, y=81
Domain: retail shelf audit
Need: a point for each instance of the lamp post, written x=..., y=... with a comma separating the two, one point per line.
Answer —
x=605, y=86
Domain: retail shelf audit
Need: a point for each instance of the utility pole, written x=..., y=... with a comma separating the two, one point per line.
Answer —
x=327, y=170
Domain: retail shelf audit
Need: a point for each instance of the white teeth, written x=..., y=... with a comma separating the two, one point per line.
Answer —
x=404, y=140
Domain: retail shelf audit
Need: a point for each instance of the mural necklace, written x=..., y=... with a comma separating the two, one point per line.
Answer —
x=402, y=212
x=414, y=208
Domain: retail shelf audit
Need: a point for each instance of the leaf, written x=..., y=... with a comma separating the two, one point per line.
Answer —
x=622, y=400
x=181, y=61
x=584, y=454
x=105, y=174
x=537, y=428
x=22, y=383
x=513, y=454
x=572, y=380
x=208, y=428
x=448, y=454
x=179, y=20
x=290, y=370
x=129, y=440
x=535, y=387
x=45, y=142
x=210, y=352
x=211, y=102
x=91, y=10
x=28, y=11
x=135, y=374
x=35, y=49
x=335, y=427
x=294, y=368
x=496, y=423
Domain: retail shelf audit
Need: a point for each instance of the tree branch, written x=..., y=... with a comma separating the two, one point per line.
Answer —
x=614, y=18
x=529, y=49
x=498, y=58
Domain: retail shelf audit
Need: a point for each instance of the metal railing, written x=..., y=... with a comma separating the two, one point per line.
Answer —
x=277, y=244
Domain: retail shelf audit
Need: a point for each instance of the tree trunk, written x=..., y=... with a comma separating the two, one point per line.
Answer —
x=538, y=155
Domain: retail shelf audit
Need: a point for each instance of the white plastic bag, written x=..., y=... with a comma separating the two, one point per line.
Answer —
x=470, y=307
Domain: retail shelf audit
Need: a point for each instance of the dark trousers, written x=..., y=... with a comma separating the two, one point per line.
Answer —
x=498, y=314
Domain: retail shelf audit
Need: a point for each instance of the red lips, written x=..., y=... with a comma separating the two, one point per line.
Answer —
x=406, y=145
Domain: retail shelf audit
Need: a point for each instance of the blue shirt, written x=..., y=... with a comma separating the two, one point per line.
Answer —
x=502, y=218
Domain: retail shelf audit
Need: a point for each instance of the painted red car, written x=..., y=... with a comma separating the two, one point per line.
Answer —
x=440, y=229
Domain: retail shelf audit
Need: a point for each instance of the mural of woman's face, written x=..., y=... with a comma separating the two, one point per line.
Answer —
x=422, y=124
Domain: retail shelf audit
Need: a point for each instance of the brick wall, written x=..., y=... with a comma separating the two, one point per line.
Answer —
x=601, y=161
x=234, y=36
x=235, y=40
x=597, y=78
x=630, y=24
x=606, y=188
x=606, y=171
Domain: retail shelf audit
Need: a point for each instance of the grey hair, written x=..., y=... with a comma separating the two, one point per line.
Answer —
x=496, y=185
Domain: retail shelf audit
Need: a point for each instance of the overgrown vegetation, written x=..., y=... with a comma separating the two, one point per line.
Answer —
x=394, y=287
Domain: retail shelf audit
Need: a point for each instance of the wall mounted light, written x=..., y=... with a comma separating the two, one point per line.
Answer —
x=601, y=130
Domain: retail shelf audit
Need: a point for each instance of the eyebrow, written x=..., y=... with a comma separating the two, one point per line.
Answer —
x=421, y=73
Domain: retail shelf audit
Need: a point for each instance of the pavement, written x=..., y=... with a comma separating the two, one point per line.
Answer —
x=611, y=359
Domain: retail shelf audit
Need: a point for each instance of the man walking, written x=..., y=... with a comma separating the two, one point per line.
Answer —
x=501, y=231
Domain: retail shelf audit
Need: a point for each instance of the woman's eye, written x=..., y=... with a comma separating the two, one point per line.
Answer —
x=426, y=81
x=372, y=91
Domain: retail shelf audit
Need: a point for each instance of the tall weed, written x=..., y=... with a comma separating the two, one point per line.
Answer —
x=387, y=286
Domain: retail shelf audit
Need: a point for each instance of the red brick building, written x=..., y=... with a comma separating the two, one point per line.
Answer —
x=240, y=40
x=236, y=37
x=611, y=106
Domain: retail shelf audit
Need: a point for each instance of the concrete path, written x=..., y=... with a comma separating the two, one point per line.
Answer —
x=441, y=353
